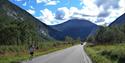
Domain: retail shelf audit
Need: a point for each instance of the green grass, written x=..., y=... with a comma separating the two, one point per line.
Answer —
x=10, y=54
x=107, y=53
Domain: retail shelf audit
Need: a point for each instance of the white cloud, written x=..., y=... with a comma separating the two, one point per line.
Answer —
x=93, y=10
x=97, y=11
x=107, y=3
x=32, y=7
x=90, y=8
x=24, y=4
x=122, y=3
x=107, y=10
x=74, y=12
x=48, y=2
x=66, y=11
x=113, y=15
x=90, y=11
x=18, y=0
x=46, y=21
x=50, y=22
x=52, y=2
x=47, y=16
x=69, y=12
x=31, y=11
x=39, y=1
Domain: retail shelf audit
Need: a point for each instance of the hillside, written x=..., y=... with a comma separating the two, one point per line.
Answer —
x=114, y=33
x=75, y=28
x=18, y=26
x=120, y=20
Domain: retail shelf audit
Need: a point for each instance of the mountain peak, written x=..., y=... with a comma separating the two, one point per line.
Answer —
x=120, y=20
x=75, y=28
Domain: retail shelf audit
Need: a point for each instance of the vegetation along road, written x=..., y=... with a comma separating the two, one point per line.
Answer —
x=75, y=54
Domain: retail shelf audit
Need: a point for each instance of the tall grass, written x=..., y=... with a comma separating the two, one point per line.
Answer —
x=107, y=53
x=14, y=53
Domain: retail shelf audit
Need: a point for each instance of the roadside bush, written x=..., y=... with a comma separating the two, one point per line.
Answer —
x=97, y=58
x=107, y=53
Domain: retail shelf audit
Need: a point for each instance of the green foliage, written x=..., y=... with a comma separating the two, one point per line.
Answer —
x=91, y=39
x=17, y=53
x=18, y=30
x=96, y=58
x=70, y=40
x=17, y=27
x=16, y=33
x=107, y=53
x=106, y=35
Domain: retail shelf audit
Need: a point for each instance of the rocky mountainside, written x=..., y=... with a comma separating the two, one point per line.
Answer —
x=17, y=25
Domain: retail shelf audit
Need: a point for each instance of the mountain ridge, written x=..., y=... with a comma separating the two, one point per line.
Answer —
x=16, y=23
x=120, y=20
x=75, y=28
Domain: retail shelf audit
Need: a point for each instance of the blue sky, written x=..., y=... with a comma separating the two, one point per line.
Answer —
x=53, y=12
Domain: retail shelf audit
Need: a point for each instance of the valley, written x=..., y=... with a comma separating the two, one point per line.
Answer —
x=75, y=39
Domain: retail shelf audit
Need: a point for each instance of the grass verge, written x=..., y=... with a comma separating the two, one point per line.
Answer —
x=107, y=53
x=15, y=57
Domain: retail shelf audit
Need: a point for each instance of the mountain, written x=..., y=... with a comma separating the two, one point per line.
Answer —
x=18, y=26
x=75, y=28
x=120, y=20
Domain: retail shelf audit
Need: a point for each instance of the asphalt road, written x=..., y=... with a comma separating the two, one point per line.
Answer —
x=75, y=54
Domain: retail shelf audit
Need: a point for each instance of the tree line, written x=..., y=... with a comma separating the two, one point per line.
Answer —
x=106, y=35
x=17, y=32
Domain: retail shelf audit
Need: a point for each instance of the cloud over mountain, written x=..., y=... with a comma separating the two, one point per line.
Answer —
x=57, y=11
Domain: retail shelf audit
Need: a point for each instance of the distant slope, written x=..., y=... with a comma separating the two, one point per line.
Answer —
x=17, y=25
x=75, y=28
x=120, y=20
